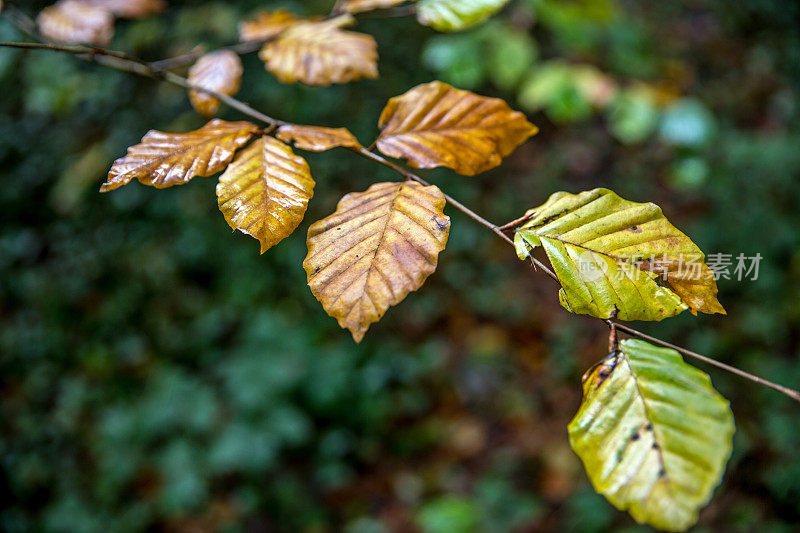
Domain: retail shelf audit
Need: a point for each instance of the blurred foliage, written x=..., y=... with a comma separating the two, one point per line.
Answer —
x=158, y=373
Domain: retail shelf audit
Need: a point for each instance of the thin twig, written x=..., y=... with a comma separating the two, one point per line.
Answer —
x=78, y=50
x=243, y=48
x=400, y=11
x=612, y=333
x=517, y=222
x=179, y=61
x=126, y=63
x=791, y=393
x=123, y=62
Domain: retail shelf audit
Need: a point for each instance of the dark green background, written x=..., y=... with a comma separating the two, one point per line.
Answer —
x=158, y=373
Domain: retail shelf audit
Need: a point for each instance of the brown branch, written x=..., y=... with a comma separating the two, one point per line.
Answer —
x=400, y=11
x=517, y=222
x=126, y=63
x=791, y=393
x=243, y=48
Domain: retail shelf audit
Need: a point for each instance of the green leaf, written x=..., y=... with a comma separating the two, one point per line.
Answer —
x=609, y=254
x=554, y=86
x=448, y=514
x=511, y=53
x=456, y=15
x=653, y=434
x=458, y=59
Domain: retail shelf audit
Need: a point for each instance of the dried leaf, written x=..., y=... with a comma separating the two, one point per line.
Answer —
x=608, y=254
x=377, y=247
x=220, y=72
x=653, y=434
x=267, y=25
x=456, y=15
x=317, y=138
x=435, y=125
x=166, y=159
x=131, y=9
x=77, y=21
x=362, y=6
x=265, y=191
x=321, y=53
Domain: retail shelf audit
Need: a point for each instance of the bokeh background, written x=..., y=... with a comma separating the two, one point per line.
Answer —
x=158, y=373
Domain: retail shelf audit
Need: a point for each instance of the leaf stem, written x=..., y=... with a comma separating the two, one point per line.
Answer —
x=126, y=63
x=516, y=222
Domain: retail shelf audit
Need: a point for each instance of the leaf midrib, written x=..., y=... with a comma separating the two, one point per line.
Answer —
x=158, y=160
x=648, y=417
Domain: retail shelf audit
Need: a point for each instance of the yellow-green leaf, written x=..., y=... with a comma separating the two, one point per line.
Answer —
x=265, y=191
x=220, y=72
x=316, y=138
x=612, y=254
x=77, y=21
x=435, y=125
x=377, y=247
x=321, y=53
x=166, y=159
x=653, y=434
x=456, y=15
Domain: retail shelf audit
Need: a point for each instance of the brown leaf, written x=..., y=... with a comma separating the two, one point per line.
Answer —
x=321, y=53
x=316, y=138
x=77, y=21
x=131, y=9
x=699, y=289
x=362, y=6
x=265, y=191
x=377, y=247
x=267, y=25
x=220, y=72
x=435, y=125
x=166, y=159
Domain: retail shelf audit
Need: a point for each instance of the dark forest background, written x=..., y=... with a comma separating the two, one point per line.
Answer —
x=158, y=373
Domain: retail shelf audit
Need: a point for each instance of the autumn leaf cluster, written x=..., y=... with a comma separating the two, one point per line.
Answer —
x=637, y=429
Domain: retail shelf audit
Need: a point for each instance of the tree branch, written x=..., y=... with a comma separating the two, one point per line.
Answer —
x=124, y=62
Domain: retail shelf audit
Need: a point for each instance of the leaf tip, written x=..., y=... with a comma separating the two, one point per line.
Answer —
x=109, y=186
x=358, y=334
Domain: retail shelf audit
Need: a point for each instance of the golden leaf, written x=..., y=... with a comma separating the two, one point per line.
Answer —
x=317, y=138
x=220, y=72
x=377, y=247
x=362, y=6
x=166, y=159
x=435, y=125
x=267, y=25
x=131, y=8
x=77, y=21
x=321, y=53
x=265, y=191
